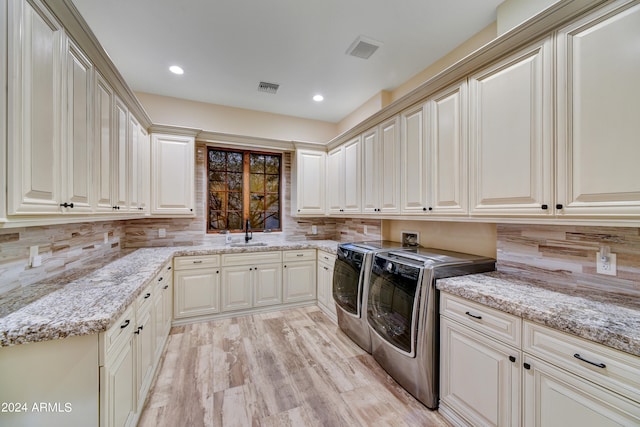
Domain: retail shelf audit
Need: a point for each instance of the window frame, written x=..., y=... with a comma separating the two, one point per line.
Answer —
x=246, y=187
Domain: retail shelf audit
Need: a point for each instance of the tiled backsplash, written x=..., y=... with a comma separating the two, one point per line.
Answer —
x=61, y=247
x=566, y=255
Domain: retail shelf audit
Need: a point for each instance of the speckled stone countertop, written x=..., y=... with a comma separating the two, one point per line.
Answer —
x=609, y=319
x=89, y=300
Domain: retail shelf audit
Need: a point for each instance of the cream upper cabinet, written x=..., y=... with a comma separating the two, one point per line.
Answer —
x=35, y=57
x=121, y=158
x=144, y=170
x=352, y=176
x=511, y=143
x=335, y=180
x=78, y=150
x=310, y=183
x=390, y=166
x=172, y=174
x=344, y=178
x=598, y=112
x=447, y=148
x=413, y=153
x=381, y=168
x=371, y=173
x=104, y=145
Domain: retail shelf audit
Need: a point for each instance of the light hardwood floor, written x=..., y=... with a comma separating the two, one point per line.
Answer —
x=287, y=368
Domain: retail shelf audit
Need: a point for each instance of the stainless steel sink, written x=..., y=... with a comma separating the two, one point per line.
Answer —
x=247, y=245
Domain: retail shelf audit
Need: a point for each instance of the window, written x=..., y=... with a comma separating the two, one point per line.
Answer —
x=243, y=185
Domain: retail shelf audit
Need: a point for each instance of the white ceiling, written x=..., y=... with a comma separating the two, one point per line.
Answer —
x=227, y=47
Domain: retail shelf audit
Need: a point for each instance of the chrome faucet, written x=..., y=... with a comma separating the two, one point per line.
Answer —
x=246, y=233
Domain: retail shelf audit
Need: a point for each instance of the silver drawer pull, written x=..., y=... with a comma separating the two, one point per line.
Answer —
x=599, y=365
x=473, y=315
x=198, y=262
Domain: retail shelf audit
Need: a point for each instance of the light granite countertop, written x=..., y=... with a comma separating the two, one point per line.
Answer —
x=90, y=299
x=609, y=319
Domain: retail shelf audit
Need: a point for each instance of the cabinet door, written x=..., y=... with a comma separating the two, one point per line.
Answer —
x=299, y=282
x=104, y=152
x=144, y=170
x=237, y=287
x=479, y=377
x=78, y=153
x=172, y=172
x=310, y=183
x=371, y=172
x=352, y=182
x=554, y=397
x=414, y=160
x=267, y=284
x=118, y=394
x=447, y=145
x=325, y=288
x=598, y=111
x=511, y=135
x=121, y=158
x=335, y=180
x=145, y=351
x=167, y=312
x=34, y=110
x=197, y=292
x=133, y=131
x=389, y=191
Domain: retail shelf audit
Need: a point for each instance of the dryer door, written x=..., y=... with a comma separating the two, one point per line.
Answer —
x=393, y=302
x=346, y=280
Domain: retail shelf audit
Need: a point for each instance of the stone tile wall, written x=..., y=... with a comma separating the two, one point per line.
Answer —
x=566, y=255
x=62, y=247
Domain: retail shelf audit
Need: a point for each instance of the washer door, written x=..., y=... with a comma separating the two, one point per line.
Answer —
x=393, y=299
x=346, y=280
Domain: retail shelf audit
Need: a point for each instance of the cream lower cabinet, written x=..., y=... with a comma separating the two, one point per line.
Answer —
x=480, y=375
x=326, y=263
x=196, y=283
x=251, y=280
x=299, y=275
x=497, y=370
x=118, y=396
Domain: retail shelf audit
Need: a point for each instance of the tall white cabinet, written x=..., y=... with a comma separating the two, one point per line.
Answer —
x=35, y=117
x=413, y=151
x=309, y=186
x=381, y=168
x=344, y=177
x=172, y=174
x=446, y=138
x=598, y=111
x=511, y=138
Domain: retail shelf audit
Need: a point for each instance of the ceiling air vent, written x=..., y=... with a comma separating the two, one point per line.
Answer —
x=363, y=47
x=268, y=87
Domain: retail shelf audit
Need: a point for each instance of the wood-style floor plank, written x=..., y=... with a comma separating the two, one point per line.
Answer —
x=286, y=368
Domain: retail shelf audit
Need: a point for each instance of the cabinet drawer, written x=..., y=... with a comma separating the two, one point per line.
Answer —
x=251, y=258
x=494, y=323
x=117, y=334
x=301, y=255
x=326, y=257
x=616, y=370
x=191, y=262
x=145, y=298
x=164, y=278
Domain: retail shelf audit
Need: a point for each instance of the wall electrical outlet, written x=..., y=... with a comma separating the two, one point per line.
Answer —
x=314, y=229
x=606, y=264
x=162, y=232
x=106, y=238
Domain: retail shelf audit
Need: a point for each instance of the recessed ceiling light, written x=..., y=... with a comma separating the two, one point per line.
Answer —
x=318, y=98
x=176, y=70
